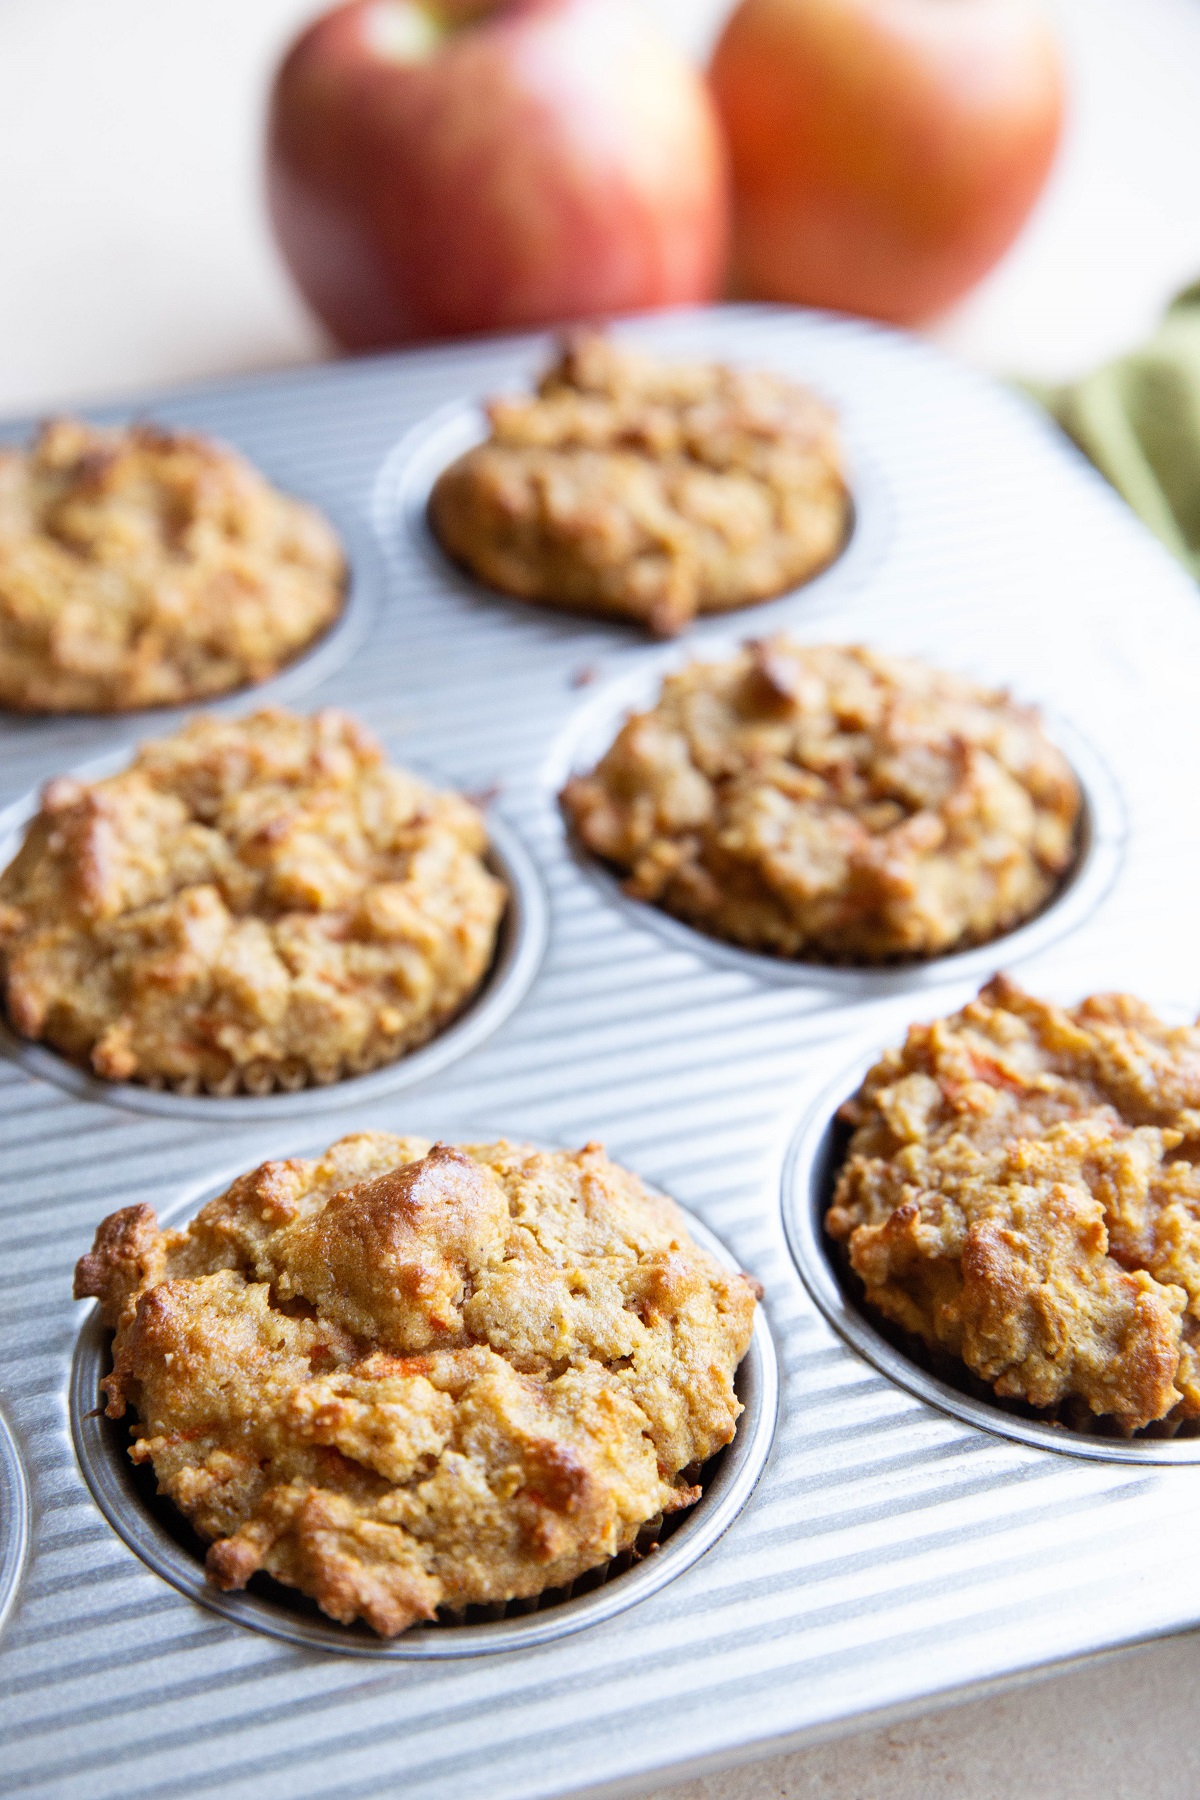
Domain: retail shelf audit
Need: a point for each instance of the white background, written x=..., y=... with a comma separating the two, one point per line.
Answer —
x=134, y=253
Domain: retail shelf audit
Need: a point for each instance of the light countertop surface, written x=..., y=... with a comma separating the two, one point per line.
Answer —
x=137, y=256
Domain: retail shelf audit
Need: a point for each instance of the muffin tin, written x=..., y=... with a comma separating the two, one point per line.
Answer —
x=14, y=1518
x=900, y=1543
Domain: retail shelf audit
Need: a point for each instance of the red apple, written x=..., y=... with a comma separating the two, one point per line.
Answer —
x=436, y=167
x=884, y=152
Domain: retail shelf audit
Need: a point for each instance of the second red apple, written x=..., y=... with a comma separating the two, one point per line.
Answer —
x=884, y=153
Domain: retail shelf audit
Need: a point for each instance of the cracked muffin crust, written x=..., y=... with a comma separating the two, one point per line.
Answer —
x=252, y=904
x=649, y=490
x=832, y=804
x=141, y=567
x=403, y=1377
x=1022, y=1192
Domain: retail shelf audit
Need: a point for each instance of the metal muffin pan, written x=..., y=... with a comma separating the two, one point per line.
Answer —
x=164, y=1542
x=809, y=1175
x=520, y=945
x=893, y=1551
x=14, y=1518
x=1101, y=842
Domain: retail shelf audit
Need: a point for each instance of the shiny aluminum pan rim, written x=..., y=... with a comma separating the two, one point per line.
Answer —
x=107, y=1474
x=401, y=513
x=1104, y=832
x=14, y=1519
x=807, y=1171
x=520, y=946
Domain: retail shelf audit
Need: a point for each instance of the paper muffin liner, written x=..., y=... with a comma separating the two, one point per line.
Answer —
x=258, y=1079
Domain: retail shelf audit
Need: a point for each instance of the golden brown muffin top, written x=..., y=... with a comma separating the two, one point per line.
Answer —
x=832, y=803
x=252, y=903
x=142, y=567
x=1022, y=1191
x=404, y=1376
x=653, y=490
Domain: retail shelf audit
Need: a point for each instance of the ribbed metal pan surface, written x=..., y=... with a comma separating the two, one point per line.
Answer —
x=890, y=1551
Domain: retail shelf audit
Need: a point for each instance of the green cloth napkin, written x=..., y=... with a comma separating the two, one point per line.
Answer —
x=1138, y=420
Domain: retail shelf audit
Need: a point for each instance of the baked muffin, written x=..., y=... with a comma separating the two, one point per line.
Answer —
x=404, y=1377
x=142, y=567
x=1022, y=1193
x=833, y=804
x=251, y=904
x=649, y=490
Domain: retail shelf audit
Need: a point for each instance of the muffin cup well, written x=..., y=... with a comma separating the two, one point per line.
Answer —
x=164, y=1540
x=520, y=944
x=14, y=1519
x=401, y=514
x=814, y=1157
x=1101, y=840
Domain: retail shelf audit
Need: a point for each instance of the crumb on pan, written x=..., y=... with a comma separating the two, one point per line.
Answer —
x=142, y=567
x=650, y=490
x=403, y=1377
x=833, y=804
x=1022, y=1192
x=252, y=904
